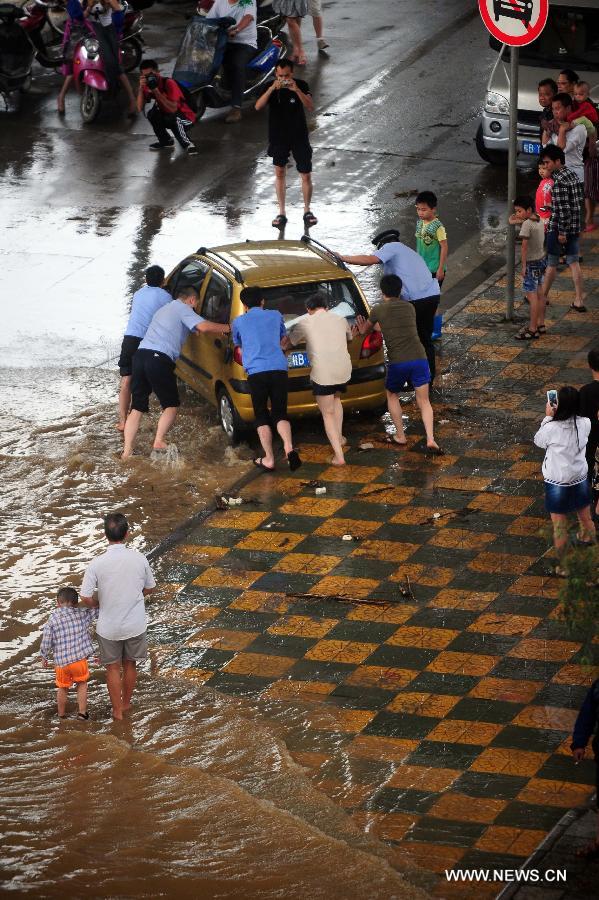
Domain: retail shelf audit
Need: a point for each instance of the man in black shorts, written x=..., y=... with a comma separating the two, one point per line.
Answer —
x=155, y=360
x=287, y=99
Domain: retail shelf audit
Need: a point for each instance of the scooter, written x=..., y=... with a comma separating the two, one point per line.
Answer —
x=35, y=16
x=90, y=77
x=215, y=92
x=16, y=57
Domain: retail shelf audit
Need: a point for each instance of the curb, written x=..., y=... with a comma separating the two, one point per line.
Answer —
x=546, y=845
x=487, y=283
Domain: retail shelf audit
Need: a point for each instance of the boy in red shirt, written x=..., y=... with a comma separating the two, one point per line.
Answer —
x=170, y=111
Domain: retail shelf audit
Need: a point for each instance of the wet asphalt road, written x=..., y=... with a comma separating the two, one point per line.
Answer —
x=87, y=208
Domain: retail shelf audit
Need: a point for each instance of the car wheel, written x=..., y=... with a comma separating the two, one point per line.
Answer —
x=229, y=418
x=493, y=157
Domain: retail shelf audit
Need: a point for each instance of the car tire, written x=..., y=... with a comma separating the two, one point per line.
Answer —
x=230, y=420
x=493, y=157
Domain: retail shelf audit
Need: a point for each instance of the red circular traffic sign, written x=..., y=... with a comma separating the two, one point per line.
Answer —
x=514, y=22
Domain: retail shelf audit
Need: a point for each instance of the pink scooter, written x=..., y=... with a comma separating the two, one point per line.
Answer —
x=90, y=77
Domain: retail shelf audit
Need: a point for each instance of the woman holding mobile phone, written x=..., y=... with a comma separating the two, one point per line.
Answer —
x=563, y=435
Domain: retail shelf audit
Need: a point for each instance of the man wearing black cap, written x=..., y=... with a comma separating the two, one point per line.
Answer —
x=419, y=286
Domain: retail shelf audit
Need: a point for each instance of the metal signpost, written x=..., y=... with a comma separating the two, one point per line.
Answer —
x=515, y=23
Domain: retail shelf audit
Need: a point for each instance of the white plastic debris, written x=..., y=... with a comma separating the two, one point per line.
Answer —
x=320, y=490
x=436, y=515
x=366, y=446
x=444, y=422
x=234, y=501
x=347, y=537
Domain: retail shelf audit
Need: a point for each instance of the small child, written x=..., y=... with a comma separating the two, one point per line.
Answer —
x=543, y=195
x=66, y=635
x=431, y=237
x=532, y=234
x=584, y=727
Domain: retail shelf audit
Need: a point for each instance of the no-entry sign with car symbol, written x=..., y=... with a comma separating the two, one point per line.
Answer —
x=514, y=22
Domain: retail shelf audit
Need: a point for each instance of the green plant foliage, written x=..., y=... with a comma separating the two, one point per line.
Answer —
x=579, y=599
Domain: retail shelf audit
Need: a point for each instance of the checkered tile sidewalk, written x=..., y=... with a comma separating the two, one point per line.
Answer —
x=443, y=697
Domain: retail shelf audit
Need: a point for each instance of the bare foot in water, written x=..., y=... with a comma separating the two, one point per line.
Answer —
x=160, y=445
x=337, y=461
x=392, y=439
x=434, y=448
x=120, y=426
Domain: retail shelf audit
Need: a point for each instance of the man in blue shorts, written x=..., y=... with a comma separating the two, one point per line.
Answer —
x=155, y=360
x=146, y=301
x=406, y=358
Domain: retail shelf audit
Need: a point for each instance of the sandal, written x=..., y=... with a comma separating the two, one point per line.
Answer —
x=260, y=465
x=310, y=219
x=526, y=335
x=83, y=717
x=542, y=329
x=581, y=309
x=279, y=222
x=293, y=458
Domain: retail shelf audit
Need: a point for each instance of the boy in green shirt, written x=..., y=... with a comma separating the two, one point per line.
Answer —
x=431, y=237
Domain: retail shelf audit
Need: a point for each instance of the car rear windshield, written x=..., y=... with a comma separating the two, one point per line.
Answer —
x=342, y=297
x=569, y=40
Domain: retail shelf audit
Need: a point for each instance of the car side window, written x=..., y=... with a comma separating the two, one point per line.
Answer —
x=191, y=272
x=217, y=300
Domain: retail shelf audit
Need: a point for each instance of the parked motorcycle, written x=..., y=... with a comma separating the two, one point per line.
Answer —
x=36, y=19
x=90, y=77
x=199, y=67
x=40, y=13
x=16, y=57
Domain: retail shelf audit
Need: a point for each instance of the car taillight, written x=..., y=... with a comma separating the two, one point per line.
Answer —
x=237, y=356
x=371, y=344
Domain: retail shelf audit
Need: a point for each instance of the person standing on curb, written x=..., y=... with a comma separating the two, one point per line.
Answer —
x=431, y=236
x=121, y=577
x=563, y=435
x=326, y=335
x=585, y=728
x=565, y=224
x=420, y=287
x=406, y=358
x=287, y=99
x=259, y=334
x=154, y=365
x=146, y=301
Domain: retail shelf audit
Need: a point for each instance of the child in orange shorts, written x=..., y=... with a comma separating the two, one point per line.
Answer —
x=66, y=635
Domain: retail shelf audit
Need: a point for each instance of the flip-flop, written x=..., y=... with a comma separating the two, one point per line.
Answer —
x=526, y=335
x=83, y=716
x=279, y=222
x=580, y=309
x=293, y=458
x=260, y=465
x=542, y=329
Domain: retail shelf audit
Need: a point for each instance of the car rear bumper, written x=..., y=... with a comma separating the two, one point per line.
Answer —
x=366, y=390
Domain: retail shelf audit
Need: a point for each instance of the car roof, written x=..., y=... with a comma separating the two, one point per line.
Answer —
x=276, y=262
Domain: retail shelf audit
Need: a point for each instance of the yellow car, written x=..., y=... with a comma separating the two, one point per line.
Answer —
x=289, y=272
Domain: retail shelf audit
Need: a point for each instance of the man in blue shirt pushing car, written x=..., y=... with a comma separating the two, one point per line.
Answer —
x=154, y=364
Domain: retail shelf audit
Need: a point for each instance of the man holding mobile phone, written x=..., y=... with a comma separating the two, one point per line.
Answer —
x=288, y=99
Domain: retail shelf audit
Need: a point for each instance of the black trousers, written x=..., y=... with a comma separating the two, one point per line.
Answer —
x=237, y=56
x=160, y=121
x=109, y=48
x=425, y=320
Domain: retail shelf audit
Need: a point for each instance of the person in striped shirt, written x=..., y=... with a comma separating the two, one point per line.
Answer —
x=66, y=637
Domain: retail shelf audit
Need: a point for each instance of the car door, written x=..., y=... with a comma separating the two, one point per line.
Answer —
x=192, y=272
x=212, y=350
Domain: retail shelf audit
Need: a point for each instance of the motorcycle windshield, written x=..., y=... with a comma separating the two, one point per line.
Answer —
x=201, y=51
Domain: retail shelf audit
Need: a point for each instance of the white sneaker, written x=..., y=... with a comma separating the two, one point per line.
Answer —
x=322, y=44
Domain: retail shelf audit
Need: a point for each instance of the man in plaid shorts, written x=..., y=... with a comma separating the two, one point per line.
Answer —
x=565, y=224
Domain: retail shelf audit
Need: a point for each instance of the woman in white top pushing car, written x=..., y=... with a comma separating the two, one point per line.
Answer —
x=563, y=435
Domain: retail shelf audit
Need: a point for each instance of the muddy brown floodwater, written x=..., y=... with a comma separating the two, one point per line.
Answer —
x=196, y=796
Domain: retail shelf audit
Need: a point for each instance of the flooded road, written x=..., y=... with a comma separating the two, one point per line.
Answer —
x=85, y=211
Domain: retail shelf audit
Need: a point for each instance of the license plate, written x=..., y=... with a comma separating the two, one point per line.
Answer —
x=298, y=360
x=531, y=147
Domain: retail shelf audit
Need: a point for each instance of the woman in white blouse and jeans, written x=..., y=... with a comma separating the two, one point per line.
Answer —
x=563, y=435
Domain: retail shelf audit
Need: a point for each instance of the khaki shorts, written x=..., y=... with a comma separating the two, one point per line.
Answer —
x=315, y=7
x=135, y=648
